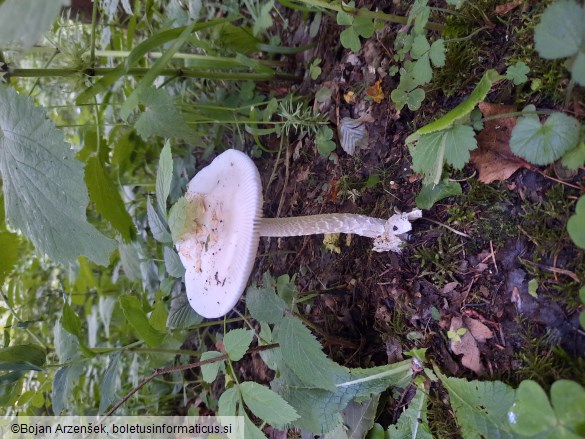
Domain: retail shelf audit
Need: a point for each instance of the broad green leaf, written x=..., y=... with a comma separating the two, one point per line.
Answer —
x=422, y=71
x=109, y=383
x=137, y=318
x=45, y=195
x=517, y=73
x=302, y=353
x=560, y=31
x=541, y=144
x=22, y=357
x=359, y=417
x=228, y=401
x=71, y=321
x=250, y=429
x=181, y=315
x=209, y=371
x=177, y=218
x=377, y=432
x=364, y=26
x=161, y=118
x=462, y=110
x=237, y=342
x=25, y=21
x=450, y=146
x=568, y=400
x=104, y=193
x=481, y=406
x=344, y=18
x=164, y=177
x=531, y=413
x=437, y=53
x=157, y=225
x=10, y=388
x=350, y=39
x=578, y=68
x=158, y=316
x=576, y=224
x=265, y=305
x=267, y=404
x=173, y=263
x=286, y=288
x=575, y=158
x=325, y=144
x=64, y=382
x=420, y=46
x=9, y=243
x=413, y=423
x=430, y=194
x=130, y=259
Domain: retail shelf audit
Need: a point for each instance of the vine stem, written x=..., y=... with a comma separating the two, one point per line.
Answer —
x=158, y=372
x=391, y=18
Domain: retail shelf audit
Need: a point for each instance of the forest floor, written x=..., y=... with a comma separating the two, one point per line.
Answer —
x=517, y=273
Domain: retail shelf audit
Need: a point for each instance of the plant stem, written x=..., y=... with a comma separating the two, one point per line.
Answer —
x=516, y=114
x=93, y=33
x=391, y=18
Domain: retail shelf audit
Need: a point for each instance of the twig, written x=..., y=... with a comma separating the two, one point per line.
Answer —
x=447, y=227
x=493, y=256
x=553, y=269
x=158, y=372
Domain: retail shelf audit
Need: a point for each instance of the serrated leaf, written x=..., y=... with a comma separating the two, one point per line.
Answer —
x=541, y=144
x=420, y=46
x=352, y=134
x=157, y=225
x=109, y=383
x=181, y=315
x=104, y=193
x=227, y=403
x=437, y=53
x=173, y=263
x=359, y=417
x=250, y=429
x=137, y=318
x=350, y=39
x=267, y=404
x=209, y=371
x=413, y=423
x=263, y=20
x=560, y=31
x=177, y=218
x=433, y=150
x=9, y=243
x=22, y=357
x=430, y=194
x=422, y=71
x=517, y=73
x=237, y=342
x=576, y=224
x=161, y=117
x=26, y=21
x=45, y=195
x=302, y=353
x=481, y=406
x=164, y=177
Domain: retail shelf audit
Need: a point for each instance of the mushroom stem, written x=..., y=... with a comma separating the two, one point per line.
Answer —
x=326, y=223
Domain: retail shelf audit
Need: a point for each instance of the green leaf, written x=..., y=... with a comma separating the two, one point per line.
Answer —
x=267, y=404
x=161, y=118
x=420, y=46
x=578, y=68
x=227, y=403
x=481, y=406
x=325, y=145
x=104, y=193
x=456, y=3
x=71, y=321
x=237, y=342
x=413, y=99
x=250, y=430
x=422, y=71
x=451, y=145
x=26, y=21
x=158, y=316
x=364, y=26
x=265, y=305
x=264, y=20
x=344, y=18
x=413, y=422
x=181, y=315
x=359, y=417
x=177, y=218
x=173, y=263
x=576, y=224
x=64, y=382
x=9, y=243
x=209, y=371
x=560, y=31
x=437, y=53
x=164, y=177
x=109, y=383
x=22, y=357
x=350, y=39
x=575, y=158
x=302, y=353
x=531, y=413
x=568, y=399
x=460, y=111
x=157, y=225
x=45, y=195
x=430, y=194
x=10, y=388
x=541, y=144
x=137, y=318
x=517, y=73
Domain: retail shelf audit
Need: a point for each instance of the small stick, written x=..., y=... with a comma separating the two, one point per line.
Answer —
x=447, y=227
x=493, y=255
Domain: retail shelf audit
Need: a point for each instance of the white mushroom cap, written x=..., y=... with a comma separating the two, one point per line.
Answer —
x=219, y=253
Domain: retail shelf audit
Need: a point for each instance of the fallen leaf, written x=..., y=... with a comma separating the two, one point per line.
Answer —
x=467, y=345
x=331, y=242
x=349, y=97
x=493, y=158
x=507, y=7
x=376, y=92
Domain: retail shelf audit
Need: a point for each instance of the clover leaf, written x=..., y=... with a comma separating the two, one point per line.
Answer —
x=576, y=224
x=517, y=73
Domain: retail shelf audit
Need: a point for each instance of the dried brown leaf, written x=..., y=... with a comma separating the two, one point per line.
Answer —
x=507, y=7
x=376, y=92
x=467, y=346
x=479, y=331
x=493, y=158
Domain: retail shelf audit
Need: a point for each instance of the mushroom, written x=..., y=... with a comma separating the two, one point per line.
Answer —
x=223, y=224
